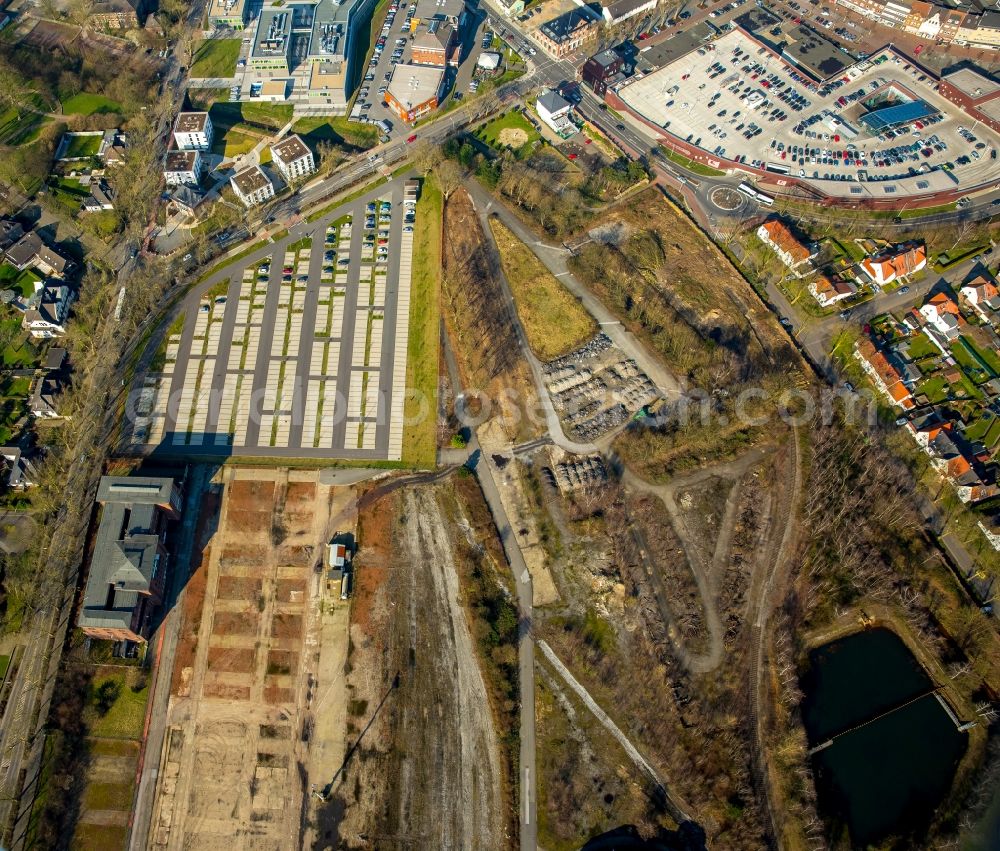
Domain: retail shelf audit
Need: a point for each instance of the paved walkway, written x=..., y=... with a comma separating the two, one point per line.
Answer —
x=555, y=259
x=676, y=810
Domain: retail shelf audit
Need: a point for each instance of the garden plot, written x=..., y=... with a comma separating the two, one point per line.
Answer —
x=234, y=741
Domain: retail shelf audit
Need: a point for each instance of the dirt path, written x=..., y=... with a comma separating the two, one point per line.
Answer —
x=775, y=560
x=705, y=573
x=450, y=719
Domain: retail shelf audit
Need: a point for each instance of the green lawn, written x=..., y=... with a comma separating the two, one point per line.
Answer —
x=920, y=347
x=513, y=120
x=232, y=143
x=849, y=248
x=90, y=104
x=108, y=796
x=691, y=165
x=233, y=121
x=25, y=283
x=420, y=415
x=11, y=411
x=934, y=388
x=968, y=358
x=338, y=130
x=985, y=429
x=988, y=356
x=72, y=185
x=266, y=116
x=21, y=353
x=80, y=147
x=4, y=665
x=919, y=212
x=116, y=708
x=20, y=128
x=216, y=57
x=8, y=274
x=15, y=387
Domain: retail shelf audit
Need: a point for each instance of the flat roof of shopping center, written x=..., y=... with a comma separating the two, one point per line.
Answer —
x=972, y=83
x=813, y=53
x=713, y=109
x=413, y=85
x=901, y=113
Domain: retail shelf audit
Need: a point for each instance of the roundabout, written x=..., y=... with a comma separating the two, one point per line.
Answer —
x=727, y=199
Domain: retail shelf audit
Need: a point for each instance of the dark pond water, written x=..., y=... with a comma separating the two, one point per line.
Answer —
x=886, y=777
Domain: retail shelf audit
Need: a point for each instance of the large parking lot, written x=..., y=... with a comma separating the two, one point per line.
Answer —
x=738, y=101
x=297, y=350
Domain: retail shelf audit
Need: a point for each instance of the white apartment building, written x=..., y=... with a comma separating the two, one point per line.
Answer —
x=182, y=168
x=293, y=158
x=252, y=186
x=193, y=131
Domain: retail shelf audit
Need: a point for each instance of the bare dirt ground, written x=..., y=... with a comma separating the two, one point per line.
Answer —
x=425, y=766
x=234, y=773
x=523, y=510
x=663, y=562
x=512, y=137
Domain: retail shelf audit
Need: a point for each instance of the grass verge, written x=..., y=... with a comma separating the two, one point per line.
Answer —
x=216, y=57
x=422, y=352
x=691, y=165
x=336, y=129
x=554, y=321
x=116, y=705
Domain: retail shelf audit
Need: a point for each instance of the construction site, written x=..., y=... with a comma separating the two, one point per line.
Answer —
x=301, y=688
x=257, y=707
x=431, y=710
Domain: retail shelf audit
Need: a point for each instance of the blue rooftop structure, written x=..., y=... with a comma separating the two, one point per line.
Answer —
x=902, y=113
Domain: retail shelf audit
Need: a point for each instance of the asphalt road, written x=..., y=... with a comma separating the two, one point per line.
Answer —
x=165, y=642
x=527, y=779
x=21, y=728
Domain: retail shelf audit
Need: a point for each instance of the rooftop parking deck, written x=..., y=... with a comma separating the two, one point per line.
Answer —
x=738, y=101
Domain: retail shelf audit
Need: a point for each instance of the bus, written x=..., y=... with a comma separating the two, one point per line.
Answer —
x=778, y=168
x=751, y=193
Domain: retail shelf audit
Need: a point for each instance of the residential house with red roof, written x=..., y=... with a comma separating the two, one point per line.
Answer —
x=828, y=292
x=779, y=237
x=983, y=297
x=899, y=261
x=941, y=313
x=886, y=378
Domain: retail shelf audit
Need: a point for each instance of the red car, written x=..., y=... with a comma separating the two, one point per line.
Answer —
x=572, y=156
x=412, y=138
